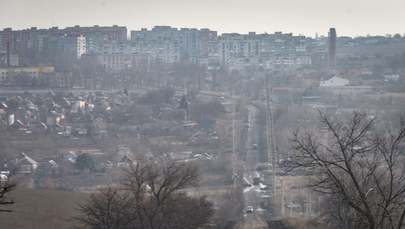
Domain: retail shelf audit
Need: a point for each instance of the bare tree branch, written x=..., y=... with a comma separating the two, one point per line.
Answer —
x=360, y=164
x=149, y=197
x=5, y=188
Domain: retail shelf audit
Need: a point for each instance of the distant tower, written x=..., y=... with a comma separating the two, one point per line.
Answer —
x=332, y=48
x=8, y=54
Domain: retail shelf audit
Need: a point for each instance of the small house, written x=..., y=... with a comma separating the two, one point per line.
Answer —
x=335, y=81
x=26, y=164
x=54, y=118
x=125, y=157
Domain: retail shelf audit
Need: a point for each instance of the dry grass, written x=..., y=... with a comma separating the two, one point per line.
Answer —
x=42, y=209
x=303, y=223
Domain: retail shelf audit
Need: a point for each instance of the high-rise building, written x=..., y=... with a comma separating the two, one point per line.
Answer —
x=332, y=48
x=73, y=44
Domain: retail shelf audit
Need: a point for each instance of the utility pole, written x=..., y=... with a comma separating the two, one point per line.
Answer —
x=282, y=197
x=309, y=204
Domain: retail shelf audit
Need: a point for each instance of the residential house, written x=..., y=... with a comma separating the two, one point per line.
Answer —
x=99, y=126
x=180, y=156
x=121, y=99
x=54, y=118
x=391, y=77
x=71, y=155
x=125, y=157
x=149, y=156
x=3, y=178
x=103, y=166
x=3, y=118
x=68, y=163
x=48, y=167
x=19, y=125
x=335, y=81
x=26, y=164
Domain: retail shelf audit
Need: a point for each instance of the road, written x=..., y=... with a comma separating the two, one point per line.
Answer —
x=254, y=195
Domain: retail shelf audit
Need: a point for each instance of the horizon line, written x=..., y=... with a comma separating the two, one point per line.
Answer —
x=129, y=30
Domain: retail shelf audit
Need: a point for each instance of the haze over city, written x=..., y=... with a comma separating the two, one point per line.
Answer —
x=202, y=114
x=352, y=18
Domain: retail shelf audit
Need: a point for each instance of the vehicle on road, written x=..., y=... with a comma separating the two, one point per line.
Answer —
x=261, y=211
x=263, y=166
x=249, y=209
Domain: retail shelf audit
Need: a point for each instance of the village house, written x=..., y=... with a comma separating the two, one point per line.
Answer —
x=99, y=126
x=25, y=164
x=54, y=118
x=125, y=157
x=335, y=81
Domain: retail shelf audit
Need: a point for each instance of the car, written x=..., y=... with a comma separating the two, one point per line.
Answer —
x=263, y=166
x=264, y=187
x=249, y=209
x=261, y=211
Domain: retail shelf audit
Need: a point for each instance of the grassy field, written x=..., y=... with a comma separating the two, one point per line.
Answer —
x=41, y=209
x=48, y=209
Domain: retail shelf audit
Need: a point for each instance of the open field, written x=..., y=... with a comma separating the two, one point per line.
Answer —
x=41, y=209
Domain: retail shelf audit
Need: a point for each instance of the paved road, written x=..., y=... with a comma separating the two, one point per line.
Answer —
x=253, y=195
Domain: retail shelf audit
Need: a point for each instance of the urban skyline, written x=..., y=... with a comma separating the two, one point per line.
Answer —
x=308, y=18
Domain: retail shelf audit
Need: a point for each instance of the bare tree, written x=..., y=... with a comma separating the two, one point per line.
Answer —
x=156, y=97
x=202, y=110
x=5, y=188
x=149, y=197
x=360, y=166
x=109, y=209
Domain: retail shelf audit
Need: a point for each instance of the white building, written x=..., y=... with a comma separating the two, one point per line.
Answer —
x=81, y=46
x=73, y=44
x=335, y=81
x=122, y=62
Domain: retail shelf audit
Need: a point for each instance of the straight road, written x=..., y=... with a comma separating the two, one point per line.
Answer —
x=253, y=192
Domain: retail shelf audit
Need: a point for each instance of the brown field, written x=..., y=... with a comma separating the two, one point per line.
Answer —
x=41, y=209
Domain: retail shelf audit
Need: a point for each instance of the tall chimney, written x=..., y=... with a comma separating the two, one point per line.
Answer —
x=8, y=54
x=332, y=48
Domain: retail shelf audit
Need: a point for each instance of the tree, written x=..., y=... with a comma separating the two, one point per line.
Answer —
x=5, y=188
x=201, y=110
x=149, y=196
x=156, y=97
x=107, y=209
x=359, y=165
x=184, y=105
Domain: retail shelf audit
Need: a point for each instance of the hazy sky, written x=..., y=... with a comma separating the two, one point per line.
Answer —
x=349, y=17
